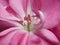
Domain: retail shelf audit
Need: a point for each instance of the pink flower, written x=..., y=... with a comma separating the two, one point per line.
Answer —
x=28, y=22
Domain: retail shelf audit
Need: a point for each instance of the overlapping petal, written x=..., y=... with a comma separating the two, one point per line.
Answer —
x=5, y=25
x=51, y=11
x=36, y=4
x=20, y=37
x=17, y=6
x=4, y=14
x=48, y=36
x=15, y=36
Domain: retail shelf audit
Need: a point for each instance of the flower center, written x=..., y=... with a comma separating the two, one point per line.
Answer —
x=31, y=22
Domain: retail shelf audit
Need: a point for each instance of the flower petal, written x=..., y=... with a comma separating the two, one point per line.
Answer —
x=24, y=5
x=4, y=14
x=36, y=4
x=18, y=38
x=56, y=31
x=51, y=11
x=5, y=40
x=27, y=39
x=5, y=32
x=17, y=6
x=48, y=36
x=35, y=40
x=5, y=25
x=13, y=23
x=51, y=20
x=5, y=36
x=14, y=36
x=4, y=3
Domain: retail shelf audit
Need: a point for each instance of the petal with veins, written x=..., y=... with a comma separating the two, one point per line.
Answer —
x=29, y=9
x=5, y=32
x=13, y=23
x=47, y=35
x=4, y=14
x=16, y=5
x=5, y=25
x=5, y=40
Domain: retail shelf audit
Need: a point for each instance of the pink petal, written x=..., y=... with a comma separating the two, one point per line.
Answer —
x=32, y=39
x=48, y=36
x=5, y=25
x=8, y=35
x=4, y=3
x=4, y=14
x=33, y=6
x=14, y=36
x=7, y=31
x=12, y=23
x=56, y=31
x=18, y=38
x=24, y=5
x=51, y=11
x=36, y=4
x=51, y=20
x=5, y=40
x=17, y=6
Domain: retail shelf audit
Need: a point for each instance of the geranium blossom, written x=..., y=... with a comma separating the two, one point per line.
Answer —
x=27, y=22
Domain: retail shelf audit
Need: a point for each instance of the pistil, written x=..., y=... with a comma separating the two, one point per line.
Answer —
x=28, y=19
x=28, y=27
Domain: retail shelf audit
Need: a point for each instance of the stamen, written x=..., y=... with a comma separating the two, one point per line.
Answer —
x=28, y=19
x=33, y=22
x=28, y=26
x=21, y=22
